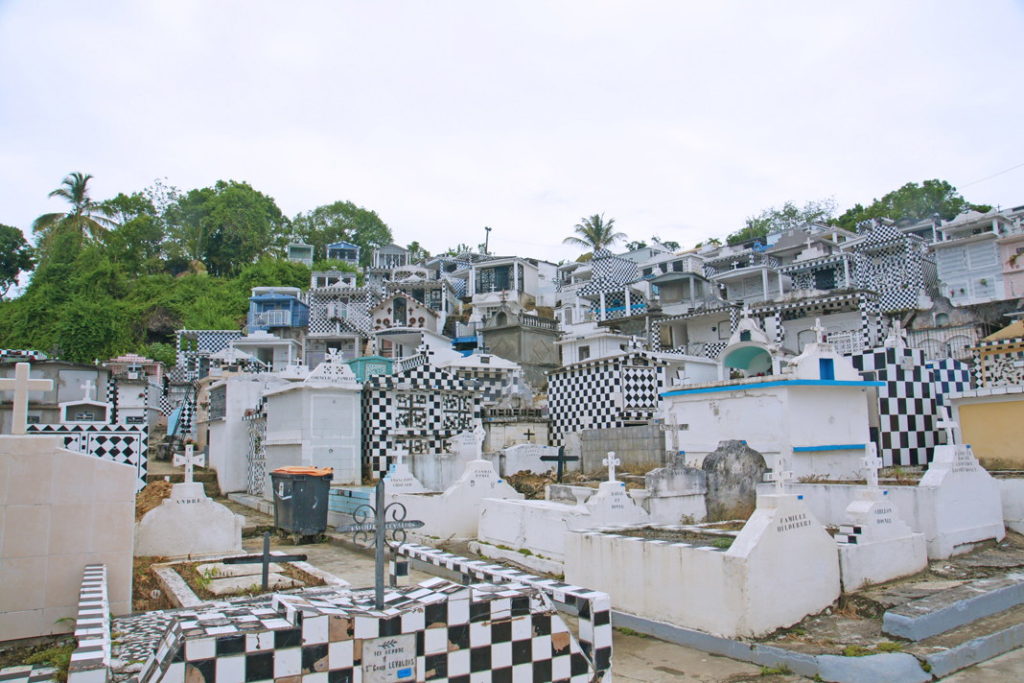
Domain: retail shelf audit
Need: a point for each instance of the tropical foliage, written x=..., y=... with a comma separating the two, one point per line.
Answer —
x=594, y=233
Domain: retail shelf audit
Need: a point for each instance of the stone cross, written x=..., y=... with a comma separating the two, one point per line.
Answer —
x=779, y=474
x=265, y=559
x=189, y=459
x=89, y=387
x=400, y=452
x=610, y=462
x=21, y=384
x=819, y=331
x=871, y=463
x=948, y=425
x=529, y=434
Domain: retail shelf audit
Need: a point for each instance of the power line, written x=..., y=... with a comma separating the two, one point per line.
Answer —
x=981, y=180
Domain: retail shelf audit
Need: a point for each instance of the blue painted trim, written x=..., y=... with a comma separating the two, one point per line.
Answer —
x=780, y=383
x=831, y=447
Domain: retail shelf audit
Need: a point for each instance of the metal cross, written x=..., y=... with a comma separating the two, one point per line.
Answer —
x=21, y=383
x=872, y=463
x=380, y=527
x=561, y=459
x=529, y=434
x=610, y=462
x=948, y=425
x=189, y=459
x=265, y=559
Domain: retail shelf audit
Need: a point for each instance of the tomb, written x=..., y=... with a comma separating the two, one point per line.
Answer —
x=59, y=511
x=316, y=422
x=539, y=527
x=956, y=504
x=781, y=567
x=816, y=408
x=188, y=522
x=875, y=545
x=674, y=493
x=456, y=512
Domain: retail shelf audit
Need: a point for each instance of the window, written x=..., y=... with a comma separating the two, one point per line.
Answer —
x=724, y=331
x=677, y=266
x=584, y=353
x=826, y=368
x=400, y=311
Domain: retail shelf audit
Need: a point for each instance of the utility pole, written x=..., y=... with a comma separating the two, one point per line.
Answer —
x=487, y=240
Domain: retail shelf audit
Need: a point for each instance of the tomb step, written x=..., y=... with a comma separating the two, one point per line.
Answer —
x=954, y=607
x=972, y=643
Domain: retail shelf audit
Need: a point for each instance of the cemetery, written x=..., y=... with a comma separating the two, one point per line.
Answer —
x=792, y=491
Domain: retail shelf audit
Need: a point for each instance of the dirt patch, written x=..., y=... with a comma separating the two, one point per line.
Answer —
x=146, y=592
x=690, y=536
x=52, y=651
x=150, y=497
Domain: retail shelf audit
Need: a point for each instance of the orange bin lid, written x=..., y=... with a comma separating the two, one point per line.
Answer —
x=305, y=469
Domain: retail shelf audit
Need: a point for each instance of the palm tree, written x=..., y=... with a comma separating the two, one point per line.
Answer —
x=594, y=232
x=85, y=218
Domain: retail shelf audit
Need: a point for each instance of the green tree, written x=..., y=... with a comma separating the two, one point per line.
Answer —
x=912, y=203
x=416, y=252
x=787, y=217
x=138, y=240
x=16, y=256
x=594, y=232
x=226, y=226
x=85, y=218
x=342, y=222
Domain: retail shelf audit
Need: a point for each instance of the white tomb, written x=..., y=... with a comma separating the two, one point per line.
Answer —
x=956, y=504
x=456, y=512
x=781, y=567
x=527, y=456
x=188, y=522
x=540, y=526
x=875, y=545
x=438, y=471
x=317, y=422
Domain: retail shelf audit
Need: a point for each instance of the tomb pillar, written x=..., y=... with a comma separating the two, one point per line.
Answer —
x=764, y=284
x=601, y=295
x=629, y=307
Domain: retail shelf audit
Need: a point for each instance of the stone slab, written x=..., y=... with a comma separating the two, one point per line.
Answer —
x=894, y=667
x=946, y=610
x=236, y=584
x=219, y=570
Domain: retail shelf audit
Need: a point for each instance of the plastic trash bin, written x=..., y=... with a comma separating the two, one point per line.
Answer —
x=300, y=499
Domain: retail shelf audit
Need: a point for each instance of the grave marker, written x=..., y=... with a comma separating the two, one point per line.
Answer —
x=871, y=463
x=780, y=475
x=561, y=459
x=21, y=384
x=380, y=526
x=610, y=462
x=189, y=459
x=265, y=559
x=947, y=424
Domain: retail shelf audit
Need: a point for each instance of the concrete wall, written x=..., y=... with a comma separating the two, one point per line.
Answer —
x=59, y=511
x=533, y=348
x=994, y=425
x=640, y=446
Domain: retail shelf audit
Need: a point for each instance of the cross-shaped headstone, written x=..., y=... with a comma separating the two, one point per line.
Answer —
x=948, y=425
x=22, y=384
x=89, y=387
x=529, y=434
x=561, y=459
x=872, y=463
x=610, y=462
x=400, y=452
x=378, y=512
x=189, y=459
x=265, y=558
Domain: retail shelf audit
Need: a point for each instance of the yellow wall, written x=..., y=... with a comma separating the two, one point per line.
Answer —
x=995, y=432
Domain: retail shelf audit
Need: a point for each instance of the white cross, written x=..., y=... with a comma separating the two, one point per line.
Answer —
x=22, y=384
x=89, y=387
x=189, y=459
x=610, y=462
x=948, y=425
x=871, y=463
x=779, y=474
x=819, y=331
x=400, y=452
x=334, y=357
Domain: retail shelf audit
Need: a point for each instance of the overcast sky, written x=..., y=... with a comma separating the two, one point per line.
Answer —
x=676, y=118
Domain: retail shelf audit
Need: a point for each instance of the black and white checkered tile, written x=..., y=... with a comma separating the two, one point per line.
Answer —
x=483, y=632
x=906, y=403
x=28, y=673
x=92, y=627
x=125, y=444
x=112, y=398
x=597, y=394
x=892, y=264
x=21, y=355
x=999, y=361
x=949, y=376
x=256, y=455
x=416, y=410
